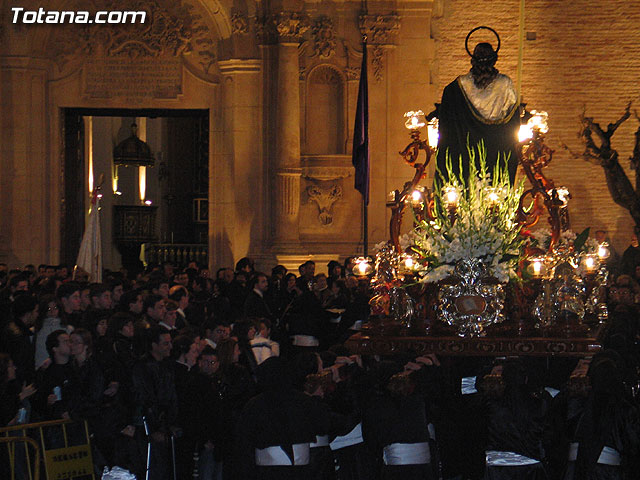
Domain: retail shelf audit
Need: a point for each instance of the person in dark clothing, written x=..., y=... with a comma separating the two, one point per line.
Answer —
x=255, y=305
x=276, y=428
x=516, y=422
x=17, y=337
x=155, y=401
x=631, y=256
x=206, y=423
x=395, y=426
x=50, y=402
x=608, y=431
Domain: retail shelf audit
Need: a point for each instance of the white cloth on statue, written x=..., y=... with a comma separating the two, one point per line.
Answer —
x=493, y=102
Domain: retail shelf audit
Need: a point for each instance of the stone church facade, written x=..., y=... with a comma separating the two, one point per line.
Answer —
x=278, y=82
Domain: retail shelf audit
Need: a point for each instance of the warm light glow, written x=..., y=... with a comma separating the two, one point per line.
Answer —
x=143, y=182
x=564, y=195
x=416, y=197
x=603, y=251
x=148, y=202
x=590, y=263
x=362, y=267
x=114, y=180
x=89, y=129
x=537, y=267
x=539, y=121
x=525, y=133
x=415, y=120
x=433, y=134
x=450, y=196
x=409, y=261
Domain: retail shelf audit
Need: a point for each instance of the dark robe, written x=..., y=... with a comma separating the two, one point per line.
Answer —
x=460, y=124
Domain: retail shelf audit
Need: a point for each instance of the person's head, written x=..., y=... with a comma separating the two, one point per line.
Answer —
x=208, y=361
x=601, y=236
x=100, y=296
x=320, y=282
x=259, y=282
x=244, y=331
x=122, y=323
x=7, y=369
x=81, y=344
x=264, y=328
x=154, y=307
x=278, y=272
x=216, y=331
x=69, y=296
x=62, y=271
x=58, y=346
x=334, y=268
x=171, y=312
x=244, y=265
x=85, y=299
x=181, y=278
x=309, y=268
x=117, y=289
x=168, y=269
x=131, y=301
x=160, y=343
x=483, y=63
x=290, y=281
x=185, y=350
x=180, y=295
x=159, y=286
x=25, y=309
x=19, y=283
x=102, y=326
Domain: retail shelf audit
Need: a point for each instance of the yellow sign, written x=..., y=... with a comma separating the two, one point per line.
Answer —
x=67, y=463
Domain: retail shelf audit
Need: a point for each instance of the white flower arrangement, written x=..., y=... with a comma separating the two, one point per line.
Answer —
x=483, y=225
x=569, y=240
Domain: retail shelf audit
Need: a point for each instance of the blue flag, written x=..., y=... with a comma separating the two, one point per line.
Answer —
x=360, y=153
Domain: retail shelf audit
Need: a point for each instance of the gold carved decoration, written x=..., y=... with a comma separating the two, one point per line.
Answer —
x=325, y=75
x=283, y=26
x=324, y=198
x=324, y=40
x=377, y=62
x=291, y=25
x=239, y=24
x=379, y=30
x=172, y=28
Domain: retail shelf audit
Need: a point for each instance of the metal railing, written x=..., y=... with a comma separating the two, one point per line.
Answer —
x=180, y=254
x=60, y=459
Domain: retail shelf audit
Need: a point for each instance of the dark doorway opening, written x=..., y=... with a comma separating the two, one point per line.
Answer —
x=182, y=170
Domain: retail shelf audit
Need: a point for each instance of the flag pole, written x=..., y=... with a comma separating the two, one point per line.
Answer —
x=360, y=152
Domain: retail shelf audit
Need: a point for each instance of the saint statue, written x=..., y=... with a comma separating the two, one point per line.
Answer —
x=479, y=106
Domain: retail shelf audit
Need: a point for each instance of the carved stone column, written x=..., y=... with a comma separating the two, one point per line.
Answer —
x=289, y=26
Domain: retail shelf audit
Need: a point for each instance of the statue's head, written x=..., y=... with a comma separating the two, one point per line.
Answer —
x=482, y=64
x=483, y=58
x=484, y=54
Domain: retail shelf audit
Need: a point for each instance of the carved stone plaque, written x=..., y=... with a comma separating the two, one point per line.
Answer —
x=133, y=79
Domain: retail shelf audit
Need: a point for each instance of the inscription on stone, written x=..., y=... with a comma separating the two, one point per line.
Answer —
x=133, y=79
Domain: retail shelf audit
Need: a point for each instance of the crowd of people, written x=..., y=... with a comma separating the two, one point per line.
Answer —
x=244, y=375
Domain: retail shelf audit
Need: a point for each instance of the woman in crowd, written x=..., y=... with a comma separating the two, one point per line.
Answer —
x=48, y=321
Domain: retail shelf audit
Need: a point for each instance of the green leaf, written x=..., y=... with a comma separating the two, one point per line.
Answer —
x=580, y=240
